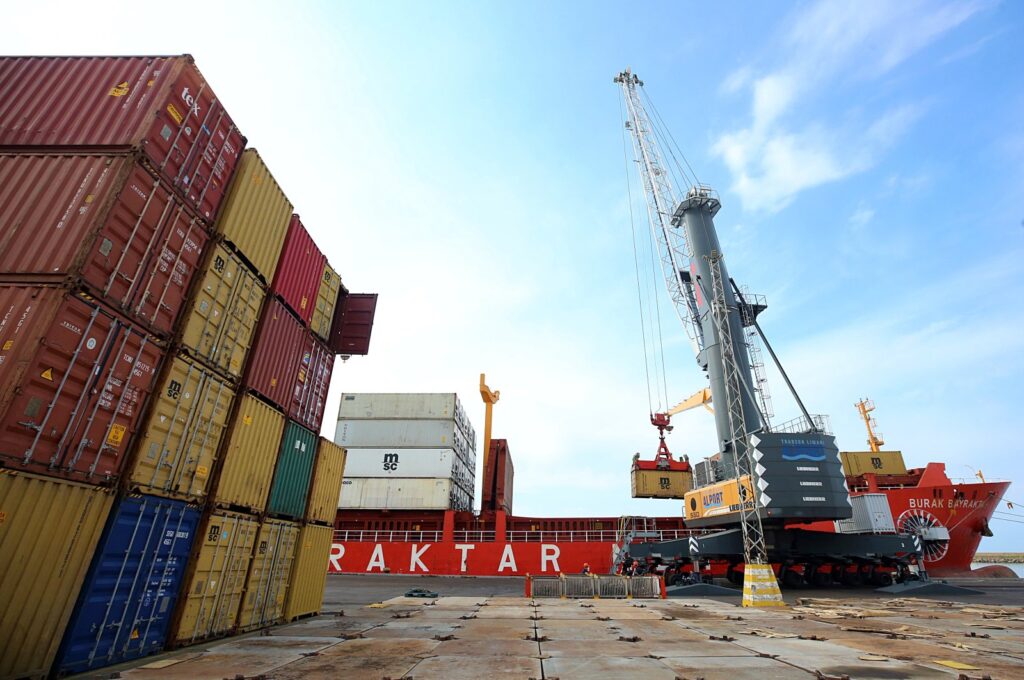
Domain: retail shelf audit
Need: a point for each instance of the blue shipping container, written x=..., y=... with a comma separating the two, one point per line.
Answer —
x=127, y=599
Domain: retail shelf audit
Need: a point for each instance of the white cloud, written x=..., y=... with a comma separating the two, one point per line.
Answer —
x=861, y=216
x=774, y=158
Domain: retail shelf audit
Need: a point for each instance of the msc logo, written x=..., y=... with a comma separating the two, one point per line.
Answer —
x=390, y=462
x=190, y=101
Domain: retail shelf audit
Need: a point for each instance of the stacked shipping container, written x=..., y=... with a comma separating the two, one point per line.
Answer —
x=406, y=452
x=139, y=248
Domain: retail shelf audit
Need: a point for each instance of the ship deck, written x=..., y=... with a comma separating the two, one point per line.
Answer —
x=482, y=627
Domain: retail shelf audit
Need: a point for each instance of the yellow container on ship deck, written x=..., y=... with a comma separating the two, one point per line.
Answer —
x=874, y=462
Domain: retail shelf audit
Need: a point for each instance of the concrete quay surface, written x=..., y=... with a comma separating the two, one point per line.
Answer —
x=484, y=627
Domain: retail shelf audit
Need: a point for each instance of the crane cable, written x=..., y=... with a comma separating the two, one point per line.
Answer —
x=636, y=257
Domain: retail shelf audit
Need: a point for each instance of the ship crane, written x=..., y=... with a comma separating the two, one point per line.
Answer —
x=780, y=475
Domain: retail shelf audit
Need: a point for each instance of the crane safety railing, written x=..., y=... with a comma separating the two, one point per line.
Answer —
x=475, y=536
x=800, y=424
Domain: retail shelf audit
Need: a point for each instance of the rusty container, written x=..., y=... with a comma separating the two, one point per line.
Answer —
x=221, y=319
x=312, y=380
x=48, y=534
x=308, y=577
x=326, y=302
x=267, y=584
x=276, y=356
x=249, y=456
x=103, y=220
x=299, y=271
x=178, y=446
x=74, y=378
x=162, y=105
x=255, y=216
x=327, y=475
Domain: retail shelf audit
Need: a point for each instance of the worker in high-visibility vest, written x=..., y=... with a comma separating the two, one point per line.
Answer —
x=586, y=569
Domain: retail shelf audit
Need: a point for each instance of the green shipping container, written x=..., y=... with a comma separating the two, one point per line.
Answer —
x=294, y=472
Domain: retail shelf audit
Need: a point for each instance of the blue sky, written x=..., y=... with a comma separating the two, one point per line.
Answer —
x=464, y=160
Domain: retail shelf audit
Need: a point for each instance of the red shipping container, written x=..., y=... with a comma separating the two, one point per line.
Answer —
x=160, y=104
x=74, y=379
x=277, y=354
x=353, y=323
x=311, y=383
x=105, y=220
x=299, y=270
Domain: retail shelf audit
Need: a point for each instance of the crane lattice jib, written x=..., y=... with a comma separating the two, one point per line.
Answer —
x=674, y=252
x=754, y=549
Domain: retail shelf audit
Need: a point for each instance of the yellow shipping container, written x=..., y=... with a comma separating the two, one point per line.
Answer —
x=326, y=299
x=309, y=573
x=223, y=313
x=256, y=214
x=179, y=443
x=874, y=462
x=267, y=585
x=250, y=455
x=49, y=529
x=330, y=467
x=660, y=483
x=716, y=500
x=217, y=579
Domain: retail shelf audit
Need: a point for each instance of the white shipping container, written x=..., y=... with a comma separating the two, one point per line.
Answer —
x=402, y=406
x=402, y=494
x=871, y=515
x=411, y=463
x=425, y=434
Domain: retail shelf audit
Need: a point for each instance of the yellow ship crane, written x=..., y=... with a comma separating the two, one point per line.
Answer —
x=695, y=400
x=875, y=441
x=490, y=398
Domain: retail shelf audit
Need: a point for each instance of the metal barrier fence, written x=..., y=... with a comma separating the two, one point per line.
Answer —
x=594, y=587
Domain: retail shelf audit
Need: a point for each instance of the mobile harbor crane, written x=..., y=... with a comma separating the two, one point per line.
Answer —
x=775, y=478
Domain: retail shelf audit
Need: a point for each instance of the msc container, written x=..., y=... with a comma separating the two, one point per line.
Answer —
x=48, y=533
x=709, y=504
x=402, y=494
x=312, y=380
x=249, y=456
x=353, y=323
x=126, y=603
x=299, y=271
x=406, y=406
x=326, y=301
x=178, y=447
x=327, y=474
x=74, y=378
x=309, y=572
x=425, y=434
x=394, y=462
x=104, y=220
x=223, y=314
x=290, y=490
x=256, y=214
x=873, y=462
x=276, y=356
x=267, y=584
x=871, y=515
x=162, y=105
x=660, y=478
x=216, y=581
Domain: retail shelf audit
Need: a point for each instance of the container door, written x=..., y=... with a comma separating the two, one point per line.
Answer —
x=350, y=333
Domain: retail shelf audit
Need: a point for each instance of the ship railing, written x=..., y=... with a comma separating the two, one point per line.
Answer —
x=479, y=536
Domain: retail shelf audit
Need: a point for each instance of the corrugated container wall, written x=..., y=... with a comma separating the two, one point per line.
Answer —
x=871, y=514
x=222, y=317
x=126, y=603
x=306, y=588
x=499, y=476
x=402, y=494
x=427, y=434
x=312, y=380
x=256, y=214
x=276, y=356
x=178, y=448
x=353, y=323
x=326, y=301
x=217, y=578
x=267, y=585
x=409, y=464
x=49, y=532
x=105, y=220
x=660, y=483
x=323, y=497
x=406, y=406
x=74, y=378
x=163, y=105
x=290, y=490
x=249, y=456
x=299, y=271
